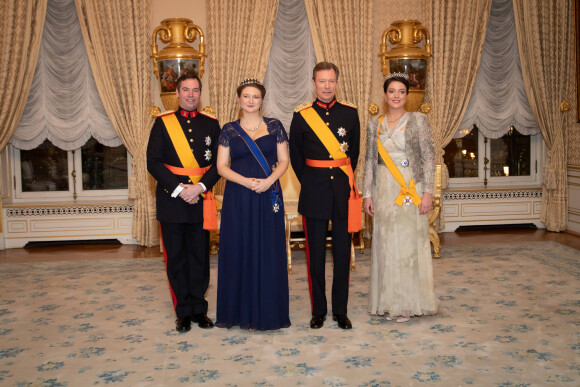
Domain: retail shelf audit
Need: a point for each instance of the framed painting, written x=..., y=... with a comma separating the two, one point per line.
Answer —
x=171, y=69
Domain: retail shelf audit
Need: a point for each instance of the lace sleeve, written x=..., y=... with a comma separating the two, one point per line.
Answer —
x=371, y=158
x=276, y=129
x=226, y=135
x=427, y=152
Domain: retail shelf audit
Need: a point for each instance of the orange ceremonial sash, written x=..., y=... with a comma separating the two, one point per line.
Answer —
x=340, y=160
x=190, y=168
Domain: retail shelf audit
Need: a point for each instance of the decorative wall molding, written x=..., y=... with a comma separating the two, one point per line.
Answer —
x=500, y=194
x=70, y=210
x=27, y=222
x=482, y=207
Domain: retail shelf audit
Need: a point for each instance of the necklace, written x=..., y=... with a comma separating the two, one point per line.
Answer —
x=251, y=130
x=396, y=119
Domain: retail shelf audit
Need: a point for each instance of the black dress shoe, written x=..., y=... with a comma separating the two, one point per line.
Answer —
x=317, y=322
x=342, y=321
x=183, y=324
x=202, y=321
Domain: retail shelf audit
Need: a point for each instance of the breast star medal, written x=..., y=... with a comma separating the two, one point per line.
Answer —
x=208, y=154
x=344, y=146
x=341, y=131
x=207, y=140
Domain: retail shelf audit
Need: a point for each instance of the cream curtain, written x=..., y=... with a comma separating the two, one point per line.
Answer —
x=288, y=79
x=240, y=35
x=20, y=37
x=457, y=33
x=64, y=104
x=117, y=38
x=499, y=98
x=341, y=31
x=458, y=30
x=544, y=31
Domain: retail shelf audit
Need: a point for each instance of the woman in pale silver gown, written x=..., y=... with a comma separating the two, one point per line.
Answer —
x=399, y=199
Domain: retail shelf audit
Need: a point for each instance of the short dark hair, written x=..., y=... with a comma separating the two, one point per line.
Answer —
x=388, y=81
x=324, y=66
x=257, y=85
x=187, y=75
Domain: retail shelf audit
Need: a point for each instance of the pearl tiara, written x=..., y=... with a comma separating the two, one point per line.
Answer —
x=250, y=81
x=400, y=75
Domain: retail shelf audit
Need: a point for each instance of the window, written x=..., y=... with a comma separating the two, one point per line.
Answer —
x=510, y=155
x=48, y=172
x=461, y=155
x=513, y=159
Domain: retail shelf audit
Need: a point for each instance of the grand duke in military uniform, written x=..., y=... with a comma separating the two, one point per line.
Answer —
x=325, y=188
x=181, y=156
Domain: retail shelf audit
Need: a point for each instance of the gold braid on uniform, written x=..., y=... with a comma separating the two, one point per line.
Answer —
x=209, y=111
x=303, y=106
x=166, y=113
x=345, y=103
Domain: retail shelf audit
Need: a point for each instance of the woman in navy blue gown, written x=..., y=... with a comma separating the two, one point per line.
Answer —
x=252, y=274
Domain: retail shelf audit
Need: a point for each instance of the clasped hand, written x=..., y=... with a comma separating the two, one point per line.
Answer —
x=190, y=193
x=259, y=185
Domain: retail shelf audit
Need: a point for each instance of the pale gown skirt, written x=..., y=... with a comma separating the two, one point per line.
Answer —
x=401, y=277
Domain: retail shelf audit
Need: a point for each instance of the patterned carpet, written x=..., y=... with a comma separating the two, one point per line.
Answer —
x=510, y=316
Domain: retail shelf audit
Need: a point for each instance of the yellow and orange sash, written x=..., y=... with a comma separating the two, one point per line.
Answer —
x=190, y=168
x=407, y=193
x=340, y=160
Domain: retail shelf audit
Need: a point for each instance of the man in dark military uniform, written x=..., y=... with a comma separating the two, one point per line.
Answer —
x=325, y=188
x=179, y=140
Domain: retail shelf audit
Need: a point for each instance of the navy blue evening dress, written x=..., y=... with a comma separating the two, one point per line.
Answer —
x=252, y=273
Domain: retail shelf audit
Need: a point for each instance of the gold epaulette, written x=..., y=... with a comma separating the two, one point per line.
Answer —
x=303, y=106
x=166, y=113
x=352, y=105
x=209, y=111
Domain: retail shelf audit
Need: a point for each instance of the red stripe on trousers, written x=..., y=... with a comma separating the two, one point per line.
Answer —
x=165, y=259
x=308, y=263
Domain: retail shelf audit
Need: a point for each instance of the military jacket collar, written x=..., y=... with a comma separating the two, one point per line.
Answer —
x=324, y=105
x=186, y=113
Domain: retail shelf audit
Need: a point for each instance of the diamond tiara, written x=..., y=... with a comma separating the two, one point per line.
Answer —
x=401, y=75
x=250, y=81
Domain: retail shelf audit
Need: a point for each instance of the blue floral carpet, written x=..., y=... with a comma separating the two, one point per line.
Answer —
x=509, y=316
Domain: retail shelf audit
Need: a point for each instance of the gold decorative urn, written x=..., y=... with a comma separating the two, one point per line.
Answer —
x=177, y=57
x=407, y=58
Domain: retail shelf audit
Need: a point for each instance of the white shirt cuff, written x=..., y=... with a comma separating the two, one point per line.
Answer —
x=177, y=191
x=202, y=186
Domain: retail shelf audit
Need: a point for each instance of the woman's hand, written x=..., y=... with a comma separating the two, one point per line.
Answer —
x=369, y=206
x=248, y=182
x=426, y=203
x=261, y=185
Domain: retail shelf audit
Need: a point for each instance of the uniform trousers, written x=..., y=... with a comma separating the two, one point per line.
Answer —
x=186, y=250
x=316, y=231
